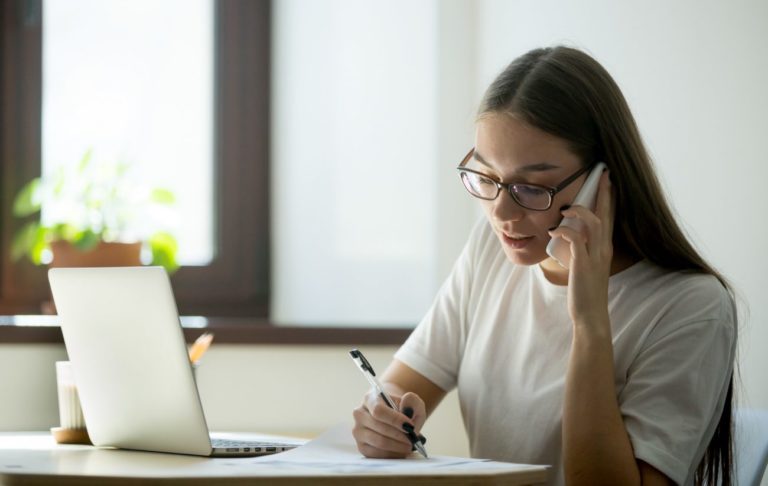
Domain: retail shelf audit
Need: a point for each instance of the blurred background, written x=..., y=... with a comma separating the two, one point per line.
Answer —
x=310, y=147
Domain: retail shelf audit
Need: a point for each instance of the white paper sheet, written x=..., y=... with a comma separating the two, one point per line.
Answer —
x=335, y=452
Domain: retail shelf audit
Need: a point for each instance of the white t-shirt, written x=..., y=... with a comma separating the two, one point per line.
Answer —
x=501, y=333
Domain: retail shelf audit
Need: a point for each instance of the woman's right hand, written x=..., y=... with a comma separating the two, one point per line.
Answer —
x=380, y=431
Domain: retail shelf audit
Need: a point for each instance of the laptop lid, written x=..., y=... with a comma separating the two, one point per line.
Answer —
x=124, y=339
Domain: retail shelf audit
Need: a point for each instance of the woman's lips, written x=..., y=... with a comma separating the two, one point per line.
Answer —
x=516, y=242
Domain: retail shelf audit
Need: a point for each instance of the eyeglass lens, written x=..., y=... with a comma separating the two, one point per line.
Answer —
x=531, y=197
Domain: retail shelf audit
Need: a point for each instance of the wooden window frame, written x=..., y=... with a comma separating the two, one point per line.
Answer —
x=236, y=283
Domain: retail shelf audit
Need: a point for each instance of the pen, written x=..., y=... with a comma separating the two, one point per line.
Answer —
x=370, y=375
x=199, y=347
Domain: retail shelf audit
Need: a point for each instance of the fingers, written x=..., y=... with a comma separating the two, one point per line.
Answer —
x=375, y=439
x=584, y=236
x=381, y=431
x=595, y=234
x=576, y=239
x=605, y=207
x=411, y=402
x=370, y=451
x=381, y=412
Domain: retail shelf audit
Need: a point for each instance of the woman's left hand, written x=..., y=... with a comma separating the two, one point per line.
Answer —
x=591, y=256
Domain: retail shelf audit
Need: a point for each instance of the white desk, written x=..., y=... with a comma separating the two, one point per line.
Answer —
x=33, y=458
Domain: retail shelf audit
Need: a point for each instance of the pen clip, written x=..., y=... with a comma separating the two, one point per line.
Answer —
x=356, y=354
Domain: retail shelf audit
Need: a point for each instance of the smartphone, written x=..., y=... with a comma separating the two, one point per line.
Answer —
x=558, y=248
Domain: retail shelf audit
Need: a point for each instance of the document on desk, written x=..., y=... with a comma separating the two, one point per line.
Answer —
x=335, y=452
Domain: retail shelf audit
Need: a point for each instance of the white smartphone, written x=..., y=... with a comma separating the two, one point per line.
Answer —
x=558, y=248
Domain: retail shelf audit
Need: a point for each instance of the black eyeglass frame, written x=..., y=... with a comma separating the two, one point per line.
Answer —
x=508, y=186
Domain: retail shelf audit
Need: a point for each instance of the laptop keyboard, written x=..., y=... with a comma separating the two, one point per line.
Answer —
x=239, y=443
x=248, y=445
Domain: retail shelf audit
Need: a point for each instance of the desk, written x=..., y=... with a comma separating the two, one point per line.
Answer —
x=33, y=458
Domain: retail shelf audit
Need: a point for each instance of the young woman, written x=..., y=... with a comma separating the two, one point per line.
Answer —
x=614, y=370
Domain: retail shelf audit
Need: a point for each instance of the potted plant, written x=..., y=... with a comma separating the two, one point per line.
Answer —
x=95, y=214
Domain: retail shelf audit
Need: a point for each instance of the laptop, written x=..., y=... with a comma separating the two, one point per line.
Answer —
x=125, y=343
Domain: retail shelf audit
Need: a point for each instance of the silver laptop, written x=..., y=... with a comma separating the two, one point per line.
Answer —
x=125, y=342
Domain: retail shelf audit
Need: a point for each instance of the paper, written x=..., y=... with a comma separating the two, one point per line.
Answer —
x=335, y=452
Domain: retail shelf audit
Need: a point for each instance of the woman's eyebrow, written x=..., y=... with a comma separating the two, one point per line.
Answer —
x=536, y=167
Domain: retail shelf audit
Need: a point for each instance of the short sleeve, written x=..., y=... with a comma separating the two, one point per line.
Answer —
x=676, y=387
x=435, y=348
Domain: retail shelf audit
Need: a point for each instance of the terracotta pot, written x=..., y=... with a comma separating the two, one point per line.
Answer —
x=104, y=255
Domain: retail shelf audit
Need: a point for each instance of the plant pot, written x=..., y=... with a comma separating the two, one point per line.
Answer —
x=103, y=255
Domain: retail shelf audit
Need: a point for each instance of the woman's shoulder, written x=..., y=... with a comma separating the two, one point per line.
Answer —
x=645, y=273
x=685, y=295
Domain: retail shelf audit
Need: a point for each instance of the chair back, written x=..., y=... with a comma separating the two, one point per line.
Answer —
x=751, y=445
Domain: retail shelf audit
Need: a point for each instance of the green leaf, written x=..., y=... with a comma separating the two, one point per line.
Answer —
x=86, y=240
x=121, y=169
x=84, y=161
x=41, y=244
x=164, y=248
x=60, y=180
x=27, y=201
x=162, y=196
x=66, y=232
x=25, y=240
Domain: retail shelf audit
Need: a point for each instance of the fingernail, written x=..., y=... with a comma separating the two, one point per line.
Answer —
x=413, y=437
x=563, y=208
x=408, y=427
x=408, y=412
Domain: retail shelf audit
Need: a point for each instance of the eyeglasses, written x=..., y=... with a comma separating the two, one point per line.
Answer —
x=529, y=196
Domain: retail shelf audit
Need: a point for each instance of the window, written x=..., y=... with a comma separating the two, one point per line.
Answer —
x=142, y=95
x=236, y=280
x=372, y=109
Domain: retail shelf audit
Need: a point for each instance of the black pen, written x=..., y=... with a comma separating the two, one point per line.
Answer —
x=370, y=375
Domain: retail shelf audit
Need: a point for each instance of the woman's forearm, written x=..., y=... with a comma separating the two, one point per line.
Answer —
x=596, y=447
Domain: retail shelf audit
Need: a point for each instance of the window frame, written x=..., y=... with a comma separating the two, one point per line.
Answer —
x=236, y=282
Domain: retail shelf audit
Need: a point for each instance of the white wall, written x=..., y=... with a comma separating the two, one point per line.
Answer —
x=695, y=75
x=372, y=109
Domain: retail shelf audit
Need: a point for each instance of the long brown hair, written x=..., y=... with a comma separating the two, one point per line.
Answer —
x=565, y=92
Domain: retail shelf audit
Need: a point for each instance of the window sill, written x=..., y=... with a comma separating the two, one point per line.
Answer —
x=45, y=329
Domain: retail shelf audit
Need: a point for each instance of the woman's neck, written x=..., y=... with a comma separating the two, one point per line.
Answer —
x=558, y=275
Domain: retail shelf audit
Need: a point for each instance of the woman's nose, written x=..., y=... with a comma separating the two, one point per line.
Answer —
x=507, y=209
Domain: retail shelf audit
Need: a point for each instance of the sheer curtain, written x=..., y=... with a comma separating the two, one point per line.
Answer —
x=366, y=214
